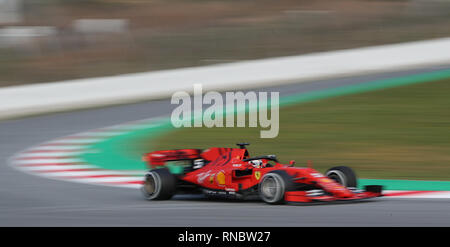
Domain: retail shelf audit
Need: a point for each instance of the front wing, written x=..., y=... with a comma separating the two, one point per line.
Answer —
x=370, y=191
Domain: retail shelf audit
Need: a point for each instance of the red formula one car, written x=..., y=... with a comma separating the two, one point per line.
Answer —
x=231, y=172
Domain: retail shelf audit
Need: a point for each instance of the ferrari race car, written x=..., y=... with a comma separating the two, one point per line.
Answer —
x=232, y=173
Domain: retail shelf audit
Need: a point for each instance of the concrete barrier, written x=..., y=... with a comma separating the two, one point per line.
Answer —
x=83, y=93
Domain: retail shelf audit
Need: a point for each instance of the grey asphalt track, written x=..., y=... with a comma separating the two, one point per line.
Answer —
x=27, y=200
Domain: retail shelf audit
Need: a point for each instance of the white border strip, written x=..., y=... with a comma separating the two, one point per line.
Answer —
x=75, y=94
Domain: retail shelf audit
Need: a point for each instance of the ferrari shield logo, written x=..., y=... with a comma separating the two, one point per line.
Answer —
x=220, y=178
x=257, y=175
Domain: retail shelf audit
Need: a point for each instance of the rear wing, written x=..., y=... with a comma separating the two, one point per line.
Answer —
x=159, y=158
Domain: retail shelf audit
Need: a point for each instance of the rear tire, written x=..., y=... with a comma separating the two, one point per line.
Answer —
x=343, y=175
x=159, y=184
x=273, y=185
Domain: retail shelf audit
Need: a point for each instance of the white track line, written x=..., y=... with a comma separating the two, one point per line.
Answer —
x=51, y=154
x=105, y=179
x=55, y=168
x=418, y=194
x=45, y=147
x=74, y=141
x=20, y=161
x=88, y=173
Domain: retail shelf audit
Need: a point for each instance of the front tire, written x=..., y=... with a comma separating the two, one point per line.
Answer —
x=273, y=186
x=343, y=175
x=159, y=184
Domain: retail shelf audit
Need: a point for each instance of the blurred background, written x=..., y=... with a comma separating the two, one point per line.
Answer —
x=53, y=40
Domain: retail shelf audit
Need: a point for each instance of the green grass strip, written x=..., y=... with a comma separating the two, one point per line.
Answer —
x=365, y=87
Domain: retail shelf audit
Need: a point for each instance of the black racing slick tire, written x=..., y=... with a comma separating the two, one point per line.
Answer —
x=343, y=175
x=273, y=185
x=159, y=184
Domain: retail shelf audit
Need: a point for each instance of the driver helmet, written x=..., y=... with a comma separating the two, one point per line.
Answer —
x=256, y=163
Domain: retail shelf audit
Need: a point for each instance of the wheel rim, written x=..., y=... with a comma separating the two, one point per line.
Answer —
x=337, y=176
x=149, y=185
x=269, y=188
